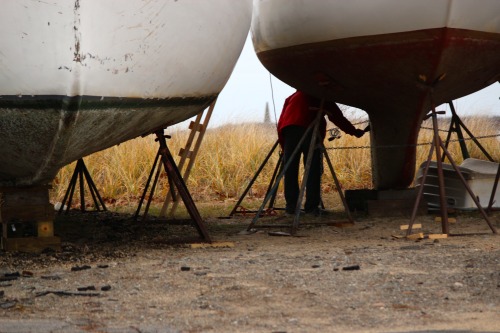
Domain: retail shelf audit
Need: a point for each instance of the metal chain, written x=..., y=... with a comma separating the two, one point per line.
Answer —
x=414, y=145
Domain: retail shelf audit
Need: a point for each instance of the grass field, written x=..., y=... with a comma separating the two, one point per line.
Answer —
x=231, y=154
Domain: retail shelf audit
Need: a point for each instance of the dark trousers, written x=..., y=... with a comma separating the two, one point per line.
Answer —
x=291, y=137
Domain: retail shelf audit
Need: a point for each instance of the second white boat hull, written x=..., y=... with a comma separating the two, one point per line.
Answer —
x=80, y=76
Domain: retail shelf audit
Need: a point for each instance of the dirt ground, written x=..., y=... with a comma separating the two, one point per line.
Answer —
x=116, y=275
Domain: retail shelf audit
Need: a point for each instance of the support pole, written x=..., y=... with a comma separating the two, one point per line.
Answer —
x=493, y=191
x=172, y=170
x=307, y=168
x=278, y=180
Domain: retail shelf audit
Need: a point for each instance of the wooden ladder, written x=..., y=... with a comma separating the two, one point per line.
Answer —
x=196, y=127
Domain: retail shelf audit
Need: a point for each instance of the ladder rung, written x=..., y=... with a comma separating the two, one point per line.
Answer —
x=195, y=127
x=188, y=155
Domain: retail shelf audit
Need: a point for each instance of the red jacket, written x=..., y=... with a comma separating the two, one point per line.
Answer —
x=301, y=109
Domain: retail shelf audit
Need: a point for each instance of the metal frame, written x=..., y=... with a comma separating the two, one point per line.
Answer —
x=439, y=147
x=81, y=174
x=272, y=191
x=176, y=182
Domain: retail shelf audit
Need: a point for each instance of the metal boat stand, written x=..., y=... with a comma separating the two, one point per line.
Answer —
x=175, y=181
x=441, y=152
x=81, y=174
x=456, y=125
x=272, y=192
x=271, y=210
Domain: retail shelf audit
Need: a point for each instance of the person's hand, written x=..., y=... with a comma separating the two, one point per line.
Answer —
x=359, y=133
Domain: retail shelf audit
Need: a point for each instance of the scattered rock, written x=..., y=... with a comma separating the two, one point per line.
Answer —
x=86, y=288
x=351, y=268
x=80, y=268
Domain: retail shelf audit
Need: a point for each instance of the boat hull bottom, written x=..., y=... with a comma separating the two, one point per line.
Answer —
x=41, y=134
x=395, y=78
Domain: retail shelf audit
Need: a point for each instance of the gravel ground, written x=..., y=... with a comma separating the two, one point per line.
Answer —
x=114, y=275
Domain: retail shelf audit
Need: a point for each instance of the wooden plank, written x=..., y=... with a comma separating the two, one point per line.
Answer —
x=42, y=212
x=450, y=219
x=25, y=196
x=212, y=245
x=437, y=236
x=420, y=235
x=31, y=244
x=406, y=226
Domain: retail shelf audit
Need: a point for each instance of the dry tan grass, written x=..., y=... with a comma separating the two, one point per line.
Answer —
x=231, y=154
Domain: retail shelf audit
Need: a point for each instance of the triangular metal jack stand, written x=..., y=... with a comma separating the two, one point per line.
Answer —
x=81, y=174
x=295, y=224
x=271, y=210
x=175, y=180
x=439, y=148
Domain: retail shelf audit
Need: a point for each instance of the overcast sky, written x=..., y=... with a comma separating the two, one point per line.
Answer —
x=248, y=90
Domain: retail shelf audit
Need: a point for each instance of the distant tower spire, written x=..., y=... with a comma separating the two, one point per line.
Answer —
x=267, y=115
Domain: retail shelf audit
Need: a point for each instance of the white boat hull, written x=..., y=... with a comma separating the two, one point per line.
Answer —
x=80, y=76
x=392, y=58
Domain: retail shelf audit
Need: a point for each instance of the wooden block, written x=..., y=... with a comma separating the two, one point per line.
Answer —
x=212, y=245
x=406, y=226
x=22, y=196
x=393, y=207
x=21, y=213
x=420, y=235
x=450, y=219
x=31, y=244
x=437, y=236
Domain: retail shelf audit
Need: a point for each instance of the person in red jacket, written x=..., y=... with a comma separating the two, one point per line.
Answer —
x=299, y=111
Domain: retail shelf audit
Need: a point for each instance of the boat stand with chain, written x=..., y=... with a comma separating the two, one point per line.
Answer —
x=314, y=128
x=165, y=158
x=441, y=151
x=81, y=174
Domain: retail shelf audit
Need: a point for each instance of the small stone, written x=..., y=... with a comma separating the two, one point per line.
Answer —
x=8, y=305
x=351, y=268
x=80, y=268
x=27, y=274
x=106, y=288
x=86, y=288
